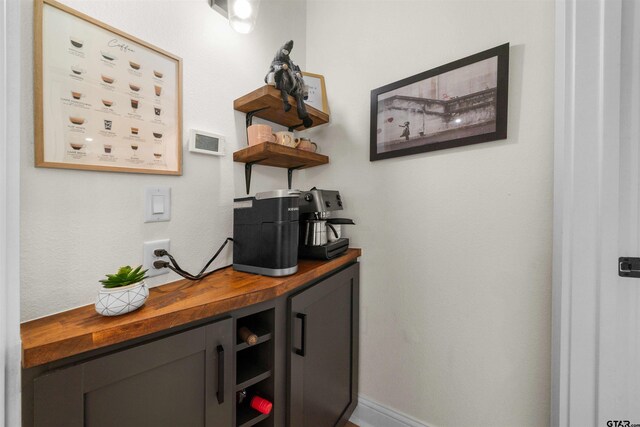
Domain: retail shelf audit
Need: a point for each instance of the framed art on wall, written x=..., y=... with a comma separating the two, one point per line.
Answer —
x=317, y=91
x=460, y=103
x=104, y=100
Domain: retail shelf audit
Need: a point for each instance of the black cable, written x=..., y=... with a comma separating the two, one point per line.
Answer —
x=188, y=284
x=173, y=260
x=215, y=255
x=176, y=268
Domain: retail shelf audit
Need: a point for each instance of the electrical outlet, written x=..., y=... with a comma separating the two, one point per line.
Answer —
x=149, y=258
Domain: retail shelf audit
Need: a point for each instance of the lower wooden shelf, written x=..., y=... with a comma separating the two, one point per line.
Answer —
x=271, y=154
x=281, y=156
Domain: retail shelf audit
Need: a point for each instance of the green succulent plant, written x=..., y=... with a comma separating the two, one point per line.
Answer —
x=125, y=276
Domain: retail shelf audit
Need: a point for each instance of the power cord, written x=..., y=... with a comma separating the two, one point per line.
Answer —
x=173, y=265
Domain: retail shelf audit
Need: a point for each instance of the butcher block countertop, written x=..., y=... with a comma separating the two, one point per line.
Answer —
x=79, y=330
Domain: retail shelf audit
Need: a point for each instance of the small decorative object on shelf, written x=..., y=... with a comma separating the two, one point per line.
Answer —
x=122, y=292
x=247, y=336
x=287, y=78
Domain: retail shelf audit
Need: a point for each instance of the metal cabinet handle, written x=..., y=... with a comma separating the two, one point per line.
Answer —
x=220, y=392
x=303, y=337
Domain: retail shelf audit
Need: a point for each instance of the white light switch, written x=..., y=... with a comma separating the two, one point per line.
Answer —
x=157, y=204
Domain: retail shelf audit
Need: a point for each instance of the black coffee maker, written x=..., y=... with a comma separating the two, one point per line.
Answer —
x=265, y=233
x=320, y=234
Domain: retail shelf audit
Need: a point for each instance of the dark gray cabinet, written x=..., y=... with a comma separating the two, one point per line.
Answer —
x=323, y=353
x=182, y=380
x=305, y=363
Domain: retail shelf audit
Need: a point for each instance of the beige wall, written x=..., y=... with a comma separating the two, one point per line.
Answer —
x=457, y=243
x=77, y=225
x=456, y=271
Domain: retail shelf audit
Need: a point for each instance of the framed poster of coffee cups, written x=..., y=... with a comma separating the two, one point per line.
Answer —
x=104, y=100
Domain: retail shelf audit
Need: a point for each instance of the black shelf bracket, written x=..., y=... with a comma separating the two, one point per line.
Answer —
x=250, y=114
x=290, y=175
x=248, y=121
x=292, y=128
x=247, y=173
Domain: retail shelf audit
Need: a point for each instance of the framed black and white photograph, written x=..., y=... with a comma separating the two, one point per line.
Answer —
x=460, y=103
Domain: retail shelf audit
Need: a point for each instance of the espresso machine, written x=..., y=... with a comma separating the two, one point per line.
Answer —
x=320, y=233
x=265, y=233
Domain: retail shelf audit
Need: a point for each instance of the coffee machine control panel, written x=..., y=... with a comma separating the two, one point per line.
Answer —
x=320, y=201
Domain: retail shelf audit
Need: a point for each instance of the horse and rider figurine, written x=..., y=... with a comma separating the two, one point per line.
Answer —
x=288, y=79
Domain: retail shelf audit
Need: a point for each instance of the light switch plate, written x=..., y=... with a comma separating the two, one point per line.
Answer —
x=158, y=195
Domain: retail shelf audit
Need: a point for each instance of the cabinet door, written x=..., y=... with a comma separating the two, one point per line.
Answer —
x=323, y=377
x=174, y=381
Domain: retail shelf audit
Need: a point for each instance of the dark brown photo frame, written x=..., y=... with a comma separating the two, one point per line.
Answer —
x=474, y=111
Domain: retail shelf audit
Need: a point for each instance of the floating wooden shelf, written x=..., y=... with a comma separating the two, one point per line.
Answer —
x=266, y=103
x=270, y=154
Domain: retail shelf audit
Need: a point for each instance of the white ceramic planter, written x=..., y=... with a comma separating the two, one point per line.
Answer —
x=117, y=301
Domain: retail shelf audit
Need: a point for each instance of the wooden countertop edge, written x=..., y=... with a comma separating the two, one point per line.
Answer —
x=36, y=352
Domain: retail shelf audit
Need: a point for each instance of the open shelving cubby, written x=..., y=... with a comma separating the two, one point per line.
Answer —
x=254, y=368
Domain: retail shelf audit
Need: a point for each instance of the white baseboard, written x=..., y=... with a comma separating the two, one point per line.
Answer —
x=371, y=414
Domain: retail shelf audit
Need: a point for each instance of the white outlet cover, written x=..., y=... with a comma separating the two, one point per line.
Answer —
x=149, y=258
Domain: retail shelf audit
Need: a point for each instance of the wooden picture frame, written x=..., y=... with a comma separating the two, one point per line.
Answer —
x=104, y=100
x=317, y=91
x=461, y=103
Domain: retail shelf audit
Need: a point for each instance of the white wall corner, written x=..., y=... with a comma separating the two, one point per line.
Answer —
x=372, y=414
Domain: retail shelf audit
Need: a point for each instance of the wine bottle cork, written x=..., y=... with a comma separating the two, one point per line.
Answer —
x=247, y=336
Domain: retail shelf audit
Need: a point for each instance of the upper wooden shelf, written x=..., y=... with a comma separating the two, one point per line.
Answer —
x=271, y=154
x=267, y=98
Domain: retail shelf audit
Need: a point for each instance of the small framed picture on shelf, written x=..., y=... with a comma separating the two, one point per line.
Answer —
x=317, y=92
x=104, y=100
x=460, y=103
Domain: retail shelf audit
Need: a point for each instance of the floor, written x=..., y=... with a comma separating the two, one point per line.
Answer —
x=351, y=425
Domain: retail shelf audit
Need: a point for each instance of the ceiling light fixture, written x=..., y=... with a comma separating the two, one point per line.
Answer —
x=242, y=14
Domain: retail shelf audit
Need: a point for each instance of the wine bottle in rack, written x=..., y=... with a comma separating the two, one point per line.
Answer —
x=261, y=405
x=258, y=403
x=247, y=336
